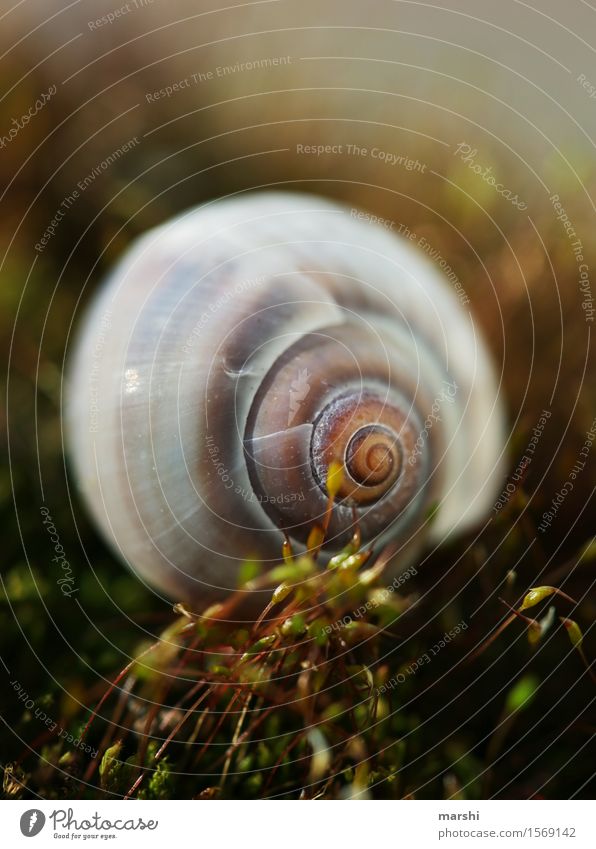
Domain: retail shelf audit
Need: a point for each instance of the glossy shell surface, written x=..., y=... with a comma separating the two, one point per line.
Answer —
x=239, y=348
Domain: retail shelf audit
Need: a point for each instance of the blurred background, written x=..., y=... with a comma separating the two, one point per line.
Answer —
x=116, y=116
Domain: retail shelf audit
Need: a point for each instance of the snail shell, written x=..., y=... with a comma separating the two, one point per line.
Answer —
x=239, y=349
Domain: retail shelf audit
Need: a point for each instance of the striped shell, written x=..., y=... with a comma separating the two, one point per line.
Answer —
x=239, y=349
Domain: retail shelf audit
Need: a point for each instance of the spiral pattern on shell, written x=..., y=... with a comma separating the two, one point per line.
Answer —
x=238, y=351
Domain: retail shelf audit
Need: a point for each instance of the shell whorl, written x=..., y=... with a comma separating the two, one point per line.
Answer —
x=237, y=351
